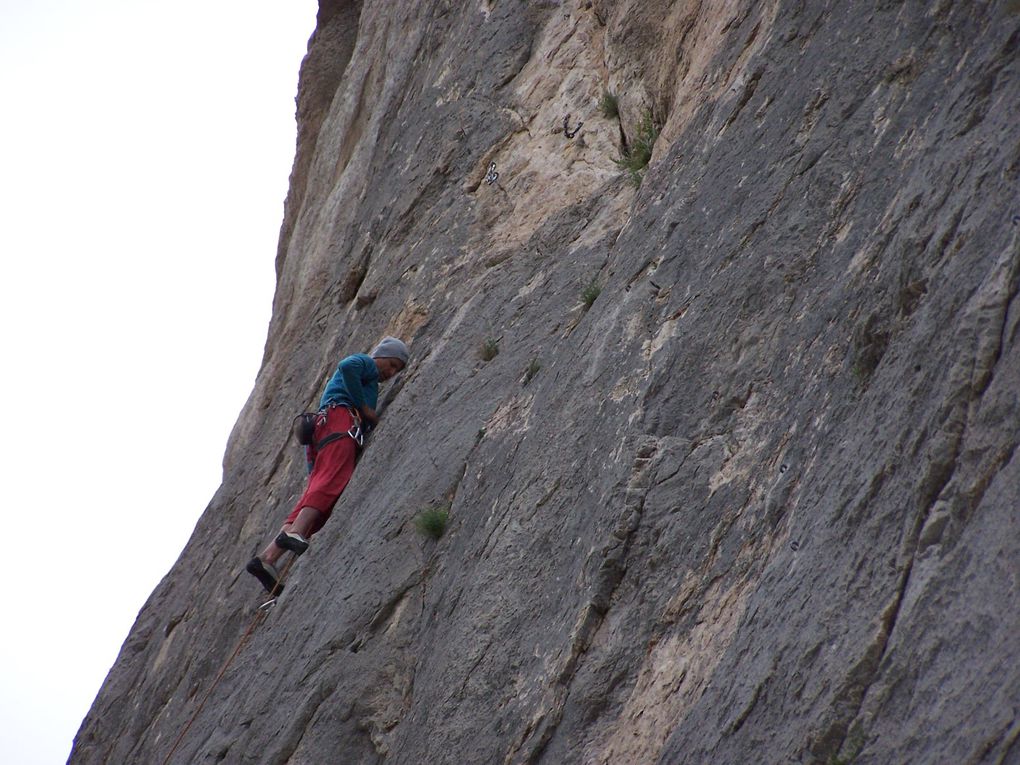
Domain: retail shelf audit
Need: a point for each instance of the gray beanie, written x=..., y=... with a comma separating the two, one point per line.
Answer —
x=391, y=348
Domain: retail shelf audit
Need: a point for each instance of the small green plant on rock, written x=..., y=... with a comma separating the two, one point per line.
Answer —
x=837, y=760
x=489, y=349
x=868, y=345
x=850, y=748
x=590, y=294
x=609, y=105
x=432, y=521
x=637, y=153
x=533, y=366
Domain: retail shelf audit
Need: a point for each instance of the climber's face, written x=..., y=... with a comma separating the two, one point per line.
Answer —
x=388, y=367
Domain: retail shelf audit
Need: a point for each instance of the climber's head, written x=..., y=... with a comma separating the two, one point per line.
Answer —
x=390, y=357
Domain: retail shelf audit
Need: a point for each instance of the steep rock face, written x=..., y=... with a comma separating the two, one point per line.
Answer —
x=757, y=503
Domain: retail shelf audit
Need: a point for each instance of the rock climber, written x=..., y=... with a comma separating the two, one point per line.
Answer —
x=347, y=406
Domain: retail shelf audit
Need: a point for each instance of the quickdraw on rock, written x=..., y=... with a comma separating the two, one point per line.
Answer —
x=492, y=176
x=566, y=127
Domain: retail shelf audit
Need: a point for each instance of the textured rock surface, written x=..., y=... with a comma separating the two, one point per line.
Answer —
x=759, y=503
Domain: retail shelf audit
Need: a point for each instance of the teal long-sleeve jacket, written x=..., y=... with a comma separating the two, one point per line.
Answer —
x=354, y=383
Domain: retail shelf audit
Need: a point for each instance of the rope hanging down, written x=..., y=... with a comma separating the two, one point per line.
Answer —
x=259, y=616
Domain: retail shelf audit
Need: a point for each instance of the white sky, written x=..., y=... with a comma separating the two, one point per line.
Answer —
x=144, y=154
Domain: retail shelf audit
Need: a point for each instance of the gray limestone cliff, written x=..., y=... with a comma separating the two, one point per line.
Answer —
x=755, y=501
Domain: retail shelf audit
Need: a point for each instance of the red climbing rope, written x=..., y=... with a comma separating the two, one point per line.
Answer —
x=259, y=616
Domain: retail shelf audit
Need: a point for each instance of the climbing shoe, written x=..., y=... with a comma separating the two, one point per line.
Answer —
x=296, y=543
x=266, y=574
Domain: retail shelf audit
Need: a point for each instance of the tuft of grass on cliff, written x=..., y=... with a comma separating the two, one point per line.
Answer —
x=590, y=294
x=636, y=154
x=432, y=522
x=489, y=349
x=609, y=106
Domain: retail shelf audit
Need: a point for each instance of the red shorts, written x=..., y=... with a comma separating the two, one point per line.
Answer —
x=332, y=467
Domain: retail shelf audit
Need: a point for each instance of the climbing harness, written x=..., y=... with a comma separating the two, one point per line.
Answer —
x=306, y=423
x=260, y=614
x=566, y=127
x=355, y=433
